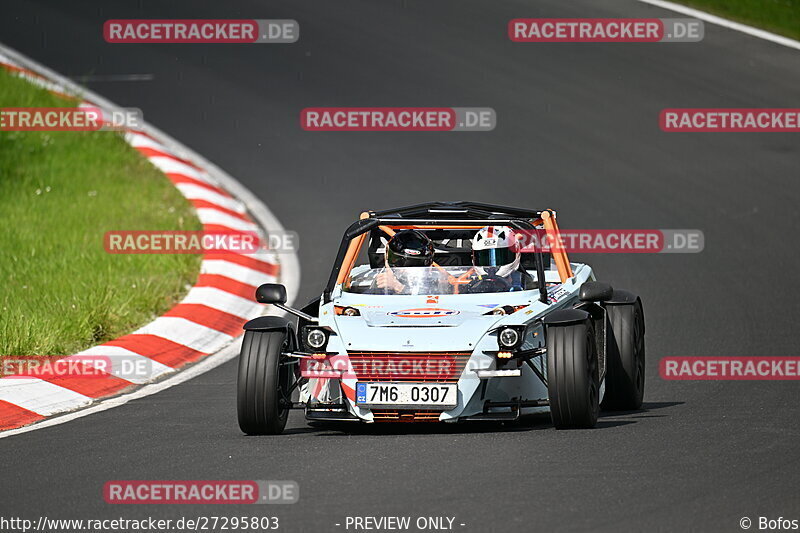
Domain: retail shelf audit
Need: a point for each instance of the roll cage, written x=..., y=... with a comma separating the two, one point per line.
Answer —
x=449, y=215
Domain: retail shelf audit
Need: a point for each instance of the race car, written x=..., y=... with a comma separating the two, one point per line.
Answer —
x=449, y=339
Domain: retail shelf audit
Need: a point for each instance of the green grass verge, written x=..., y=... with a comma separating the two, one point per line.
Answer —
x=59, y=193
x=777, y=16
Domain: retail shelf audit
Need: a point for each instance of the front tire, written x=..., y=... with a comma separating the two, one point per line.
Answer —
x=626, y=361
x=263, y=383
x=572, y=376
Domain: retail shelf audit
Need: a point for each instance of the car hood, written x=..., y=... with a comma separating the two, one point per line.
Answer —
x=461, y=334
x=419, y=323
x=429, y=311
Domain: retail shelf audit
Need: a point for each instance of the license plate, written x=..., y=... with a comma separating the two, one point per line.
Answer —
x=406, y=395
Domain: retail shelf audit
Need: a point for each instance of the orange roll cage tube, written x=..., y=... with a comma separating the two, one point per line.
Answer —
x=444, y=216
x=548, y=219
x=352, y=253
x=556, y=248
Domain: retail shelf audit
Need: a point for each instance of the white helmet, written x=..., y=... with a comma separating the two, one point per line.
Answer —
x=496, y=251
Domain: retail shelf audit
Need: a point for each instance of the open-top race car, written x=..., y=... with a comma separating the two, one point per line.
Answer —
x=446, y=312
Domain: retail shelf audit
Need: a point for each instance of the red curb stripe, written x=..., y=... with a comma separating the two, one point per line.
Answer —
x=176, y=178
x=208, y=317
x=158, y=349
x=205, y=204
x=226, y=284
x=93, y=387
x=13, y=416
x=221, y=228
x=144, y=134
x=246, y=261
x=152, y=152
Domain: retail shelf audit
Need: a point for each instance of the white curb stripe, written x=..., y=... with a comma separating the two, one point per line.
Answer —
x=264, y=256
x=713, y=19
x=169, y=165
x=222, y=301
x=237, y=272
x=137, y=140
x=213, y=216
x=196, y=192
x=186, y=333
x=41, y=397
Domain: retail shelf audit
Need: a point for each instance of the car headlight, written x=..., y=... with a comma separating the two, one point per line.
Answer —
x=508, y=338
x=316, y=338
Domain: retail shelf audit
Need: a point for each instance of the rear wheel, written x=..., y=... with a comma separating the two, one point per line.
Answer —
x=626, y=361
x=572, y=376
x=264, y=383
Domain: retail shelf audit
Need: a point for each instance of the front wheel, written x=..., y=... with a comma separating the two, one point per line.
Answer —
x=572, y=376
x=626, y=362
x=264, y=382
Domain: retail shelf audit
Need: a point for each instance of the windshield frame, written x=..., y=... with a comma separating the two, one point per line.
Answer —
x=353, y=239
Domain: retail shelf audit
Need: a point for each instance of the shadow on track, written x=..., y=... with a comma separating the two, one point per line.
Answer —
x=647, y=407
x=608, y=419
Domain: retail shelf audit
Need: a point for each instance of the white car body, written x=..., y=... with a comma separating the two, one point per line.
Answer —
x=447, y=323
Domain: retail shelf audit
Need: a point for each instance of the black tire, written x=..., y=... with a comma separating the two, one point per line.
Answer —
x=572, y=376
x=263, y=383
x=626, y=357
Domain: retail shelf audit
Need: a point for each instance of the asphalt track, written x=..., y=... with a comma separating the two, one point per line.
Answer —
x=577, y=131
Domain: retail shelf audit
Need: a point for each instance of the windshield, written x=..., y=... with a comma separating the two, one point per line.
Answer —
x=433, y=280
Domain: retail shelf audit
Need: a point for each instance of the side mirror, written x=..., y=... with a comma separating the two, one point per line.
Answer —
x=595, y=291
x=271, y=293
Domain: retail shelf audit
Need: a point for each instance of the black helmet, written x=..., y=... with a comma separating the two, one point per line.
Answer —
x=409, y=248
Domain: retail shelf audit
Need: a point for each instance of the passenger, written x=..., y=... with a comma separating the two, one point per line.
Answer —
x=496, y=260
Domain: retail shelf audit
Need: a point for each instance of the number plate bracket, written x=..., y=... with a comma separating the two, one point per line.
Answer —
x=406, y=395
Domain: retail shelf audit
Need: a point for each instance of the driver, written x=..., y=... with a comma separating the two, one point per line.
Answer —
x=406, y=248
x=496, y=260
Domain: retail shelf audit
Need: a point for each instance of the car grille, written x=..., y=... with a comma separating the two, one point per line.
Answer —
x=437, y=367
x=384, y=415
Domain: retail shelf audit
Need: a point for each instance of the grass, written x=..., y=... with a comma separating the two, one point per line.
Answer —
x=59, y=193
x=777, y=16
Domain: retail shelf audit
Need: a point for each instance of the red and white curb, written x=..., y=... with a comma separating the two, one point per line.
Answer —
x=725, y=23
x=206, y=322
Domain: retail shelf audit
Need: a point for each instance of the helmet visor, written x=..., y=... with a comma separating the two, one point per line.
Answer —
x=493, y=257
